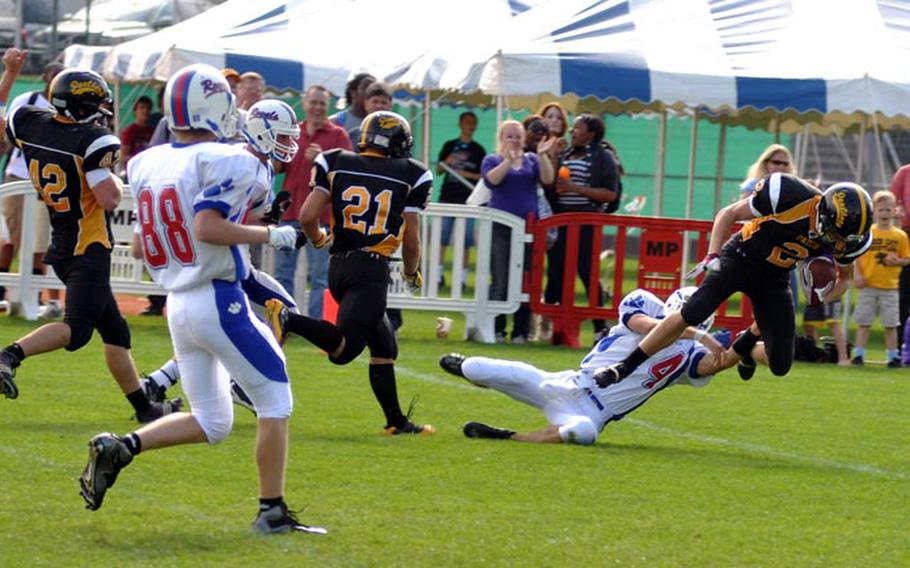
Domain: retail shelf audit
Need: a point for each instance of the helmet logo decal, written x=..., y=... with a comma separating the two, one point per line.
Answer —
x=83, y=87
x=210, y=87
x=263, y=114
x=840, y=208
x=388, y=122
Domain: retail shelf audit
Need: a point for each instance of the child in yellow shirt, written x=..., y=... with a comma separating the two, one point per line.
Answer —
x=877, y=276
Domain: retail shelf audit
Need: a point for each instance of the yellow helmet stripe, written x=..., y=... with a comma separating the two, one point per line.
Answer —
x=364, y=128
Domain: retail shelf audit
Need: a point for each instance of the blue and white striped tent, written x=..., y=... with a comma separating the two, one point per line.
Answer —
x=801, y=59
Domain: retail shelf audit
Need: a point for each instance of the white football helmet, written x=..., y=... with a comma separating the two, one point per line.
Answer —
x=678, y=299
x=199, y=97
x=265, y=122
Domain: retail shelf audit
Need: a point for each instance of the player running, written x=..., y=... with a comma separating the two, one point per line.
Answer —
x=70, y=156
x=271, y=132
x=190, y=198
x=375, y=197
x=576, y=408
x=788, y=221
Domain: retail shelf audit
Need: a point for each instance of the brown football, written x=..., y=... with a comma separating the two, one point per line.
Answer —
x=815, y=274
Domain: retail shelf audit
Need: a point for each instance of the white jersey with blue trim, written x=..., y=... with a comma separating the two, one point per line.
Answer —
x=675, y=364
x=170, y=184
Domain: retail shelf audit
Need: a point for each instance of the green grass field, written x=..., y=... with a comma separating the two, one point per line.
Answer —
x=808, y=470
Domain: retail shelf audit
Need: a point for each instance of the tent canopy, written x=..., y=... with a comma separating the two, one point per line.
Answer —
x=749, y=61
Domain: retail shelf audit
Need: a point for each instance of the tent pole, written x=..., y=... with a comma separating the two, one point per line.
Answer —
x=693, y=148
x=500, y=103
x=803, y=150
x=777, y=129
x=425, y=143
x=861, y=150
x=659, y=166
x=879, y=151
x=721, y=156
x=117, y=106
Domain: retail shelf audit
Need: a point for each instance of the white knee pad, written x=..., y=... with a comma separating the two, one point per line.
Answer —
x=216, y=426
x=578, y=430
x=271, y=399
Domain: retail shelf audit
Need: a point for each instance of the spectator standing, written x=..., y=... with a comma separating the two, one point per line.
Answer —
x=378, y=97
x=317, y=135
x=135, y=137
x=464, y=155
x=900, y=187
x=355, y=99
x=250, y=90
x=877, y=276
x=11, y=207
x=557, y=121
x=512, y=176
x=593, y=180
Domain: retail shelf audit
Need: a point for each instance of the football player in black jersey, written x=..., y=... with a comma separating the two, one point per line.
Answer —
x=788, y=220
x=375, y=197
x=69, y=159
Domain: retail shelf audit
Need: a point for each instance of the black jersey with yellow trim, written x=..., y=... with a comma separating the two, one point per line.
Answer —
x=785, y=230
x=370, y=195
x=58, y=154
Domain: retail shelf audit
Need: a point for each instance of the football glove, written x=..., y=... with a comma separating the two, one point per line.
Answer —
x=413, y=281
x=710, y=262
x=301, y=239
x=278, y=207
x=324, y=240
x=283, y=237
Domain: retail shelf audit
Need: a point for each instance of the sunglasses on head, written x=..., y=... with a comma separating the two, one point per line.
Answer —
x=779, y=162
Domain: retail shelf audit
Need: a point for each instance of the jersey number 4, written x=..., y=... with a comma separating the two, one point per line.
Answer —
x=355, y=213
x=173, y=228
x=52, y=182
x=662, y=369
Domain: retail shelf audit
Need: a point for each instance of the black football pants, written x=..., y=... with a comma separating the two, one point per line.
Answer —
x=772, y=305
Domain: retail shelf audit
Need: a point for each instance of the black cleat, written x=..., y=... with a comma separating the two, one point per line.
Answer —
x=153, y=391
x=481, y=430
x=240, y=398
x=746, y=368
x=279, y=519
x=107, y=455
x=8, y=364
x=451, y=363
x=158, y=409
x=857, y=361
x=606, y=376
x=410, y=428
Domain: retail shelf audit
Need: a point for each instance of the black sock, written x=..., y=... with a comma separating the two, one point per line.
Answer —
x=139, y=401
x=16, y=351
x=133, y=443
x=320, y=333
x=382, y=379
x=635, y=359
x=744, y=344
x=266, y=504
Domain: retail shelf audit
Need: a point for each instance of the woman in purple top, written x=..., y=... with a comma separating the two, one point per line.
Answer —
x=512, y=176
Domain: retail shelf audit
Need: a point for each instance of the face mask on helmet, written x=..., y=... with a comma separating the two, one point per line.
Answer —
x=80, y=95
x=271, y=128
x=678, y=299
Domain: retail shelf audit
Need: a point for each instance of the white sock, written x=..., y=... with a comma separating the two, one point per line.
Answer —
x=167, y=376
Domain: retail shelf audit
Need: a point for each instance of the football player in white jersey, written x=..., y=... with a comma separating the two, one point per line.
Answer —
x=271, y=133
x=191, y=197
x=576, y=408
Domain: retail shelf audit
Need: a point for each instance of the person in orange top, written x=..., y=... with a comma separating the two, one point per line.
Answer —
x=877, y=276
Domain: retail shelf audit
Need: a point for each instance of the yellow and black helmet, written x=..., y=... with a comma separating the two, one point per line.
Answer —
x=845, y=213
x=80, y=95
x=386, y=132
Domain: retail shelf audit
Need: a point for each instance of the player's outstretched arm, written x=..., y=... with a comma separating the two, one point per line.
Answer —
x=724, y=221
x=713, y=363
x=13, y=60
x=211, y=227
x=844, y=278
x=410, y=243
